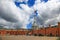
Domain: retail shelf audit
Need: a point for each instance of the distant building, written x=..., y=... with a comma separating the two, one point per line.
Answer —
x=47, y=31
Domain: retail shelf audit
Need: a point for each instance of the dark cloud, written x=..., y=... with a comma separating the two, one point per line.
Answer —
x=13, y=16
x=48, y=13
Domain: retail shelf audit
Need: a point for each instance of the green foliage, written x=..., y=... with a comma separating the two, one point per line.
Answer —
x=58, y=38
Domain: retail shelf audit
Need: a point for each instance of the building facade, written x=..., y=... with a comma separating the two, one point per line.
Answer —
x=48, y=31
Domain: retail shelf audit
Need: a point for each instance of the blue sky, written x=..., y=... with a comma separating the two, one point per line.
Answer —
x=44, y=0
x=30, y=3
x=22, y=12
x=35, y=14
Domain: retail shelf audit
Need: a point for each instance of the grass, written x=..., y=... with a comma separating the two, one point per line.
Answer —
x=0, y=38
x=58, y=38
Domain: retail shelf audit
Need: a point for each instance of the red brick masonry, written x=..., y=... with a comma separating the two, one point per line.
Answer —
x=48, y=31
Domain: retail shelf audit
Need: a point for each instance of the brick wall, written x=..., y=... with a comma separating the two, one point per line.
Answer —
x=2, y=32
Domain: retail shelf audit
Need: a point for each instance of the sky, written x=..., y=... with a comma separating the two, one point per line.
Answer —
x=20, y=13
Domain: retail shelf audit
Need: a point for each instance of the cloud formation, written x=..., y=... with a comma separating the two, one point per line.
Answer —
x=48, y=12
x=11, y=13
x=14, y=17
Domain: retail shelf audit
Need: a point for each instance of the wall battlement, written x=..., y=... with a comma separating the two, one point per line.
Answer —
x=55, y=31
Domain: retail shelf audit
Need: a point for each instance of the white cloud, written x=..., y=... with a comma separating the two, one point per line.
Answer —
x=48, y=12
x=6, y=24
x=14, y=14
x=21, y=0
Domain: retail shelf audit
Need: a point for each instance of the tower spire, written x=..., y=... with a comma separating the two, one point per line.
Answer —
x=34, y=25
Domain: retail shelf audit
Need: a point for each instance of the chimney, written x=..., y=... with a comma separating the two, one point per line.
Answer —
x=49, y=25
x=58, y=24
x=43, y=26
